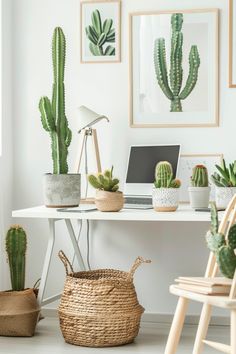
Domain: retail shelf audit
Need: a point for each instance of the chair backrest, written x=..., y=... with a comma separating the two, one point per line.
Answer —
x=227, y=221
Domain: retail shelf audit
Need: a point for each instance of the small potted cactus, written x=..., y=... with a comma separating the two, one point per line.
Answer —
x=225, y=183
x=165, y=194
x=19, y=310
x=108, y=197
x=61, y=189
x=224, y=250
x=199, y=191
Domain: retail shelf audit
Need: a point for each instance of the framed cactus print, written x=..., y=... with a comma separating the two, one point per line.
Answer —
x=100, y=31
x=174, y=69
x=232, y=43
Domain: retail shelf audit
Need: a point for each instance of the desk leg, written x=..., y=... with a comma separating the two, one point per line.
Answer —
x=47, y=260
x=75, y=244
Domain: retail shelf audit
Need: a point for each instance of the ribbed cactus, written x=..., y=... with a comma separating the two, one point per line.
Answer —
x=53, y=116
x=172, y=90
x=199, y=176
x=223, y=250
x=104, y=181
x=16, y=248
x=226, y=176
x=99, y=34
x=164, y=176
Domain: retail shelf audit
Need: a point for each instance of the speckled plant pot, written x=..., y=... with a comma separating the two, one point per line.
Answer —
x=199, y=197
x=61, y=191
x=224, y=196
x=165, y=199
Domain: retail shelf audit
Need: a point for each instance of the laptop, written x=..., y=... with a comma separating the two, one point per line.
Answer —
x=140, y=173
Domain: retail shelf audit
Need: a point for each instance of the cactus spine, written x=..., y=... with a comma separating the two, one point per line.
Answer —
x=164, y=176
x=53, y=116
x=223, y=250
x=173, y=90
x=200, y=176
x=16, y=248
x=99, y=34
x=104, y=181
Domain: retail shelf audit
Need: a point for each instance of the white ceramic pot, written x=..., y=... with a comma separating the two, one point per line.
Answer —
x=224, y=196
x=165, y=199
x=199, y=197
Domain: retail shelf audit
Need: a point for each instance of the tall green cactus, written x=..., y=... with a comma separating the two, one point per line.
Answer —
x=199, y=176
x=16, y=248
x=173, y=90
x=164, y=176
x=52, y=112
x=223, y=250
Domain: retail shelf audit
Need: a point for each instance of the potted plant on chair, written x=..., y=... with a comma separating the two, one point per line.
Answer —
x=60, y=188
x=225, y=182
x=165, y=194
x=199, y=192
x=19, y=310
x=108, y=197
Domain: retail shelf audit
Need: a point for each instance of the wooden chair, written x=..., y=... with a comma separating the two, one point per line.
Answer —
x=227, y=302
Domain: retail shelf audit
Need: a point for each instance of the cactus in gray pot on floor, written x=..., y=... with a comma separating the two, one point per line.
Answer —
x=172, y=86
x=53, y=115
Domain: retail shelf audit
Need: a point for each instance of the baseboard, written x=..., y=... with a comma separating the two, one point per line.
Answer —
x=152, y=319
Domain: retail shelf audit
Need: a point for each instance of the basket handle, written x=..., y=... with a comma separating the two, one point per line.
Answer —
x=68, y=266
x=136, y=264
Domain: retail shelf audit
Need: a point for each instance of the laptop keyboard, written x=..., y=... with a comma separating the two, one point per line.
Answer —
x=138, y=200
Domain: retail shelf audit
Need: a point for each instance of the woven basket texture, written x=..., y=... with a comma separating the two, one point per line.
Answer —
x=99, y=308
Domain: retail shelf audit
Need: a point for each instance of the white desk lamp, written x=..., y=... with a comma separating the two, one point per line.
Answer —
x=88, y=119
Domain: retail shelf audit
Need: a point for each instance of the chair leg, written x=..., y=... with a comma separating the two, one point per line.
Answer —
x=233, y=332
x=177, y=326
x=202, y=328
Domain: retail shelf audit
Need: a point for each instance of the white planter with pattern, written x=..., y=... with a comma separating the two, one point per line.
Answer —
x=224, y=196
x=165, y=199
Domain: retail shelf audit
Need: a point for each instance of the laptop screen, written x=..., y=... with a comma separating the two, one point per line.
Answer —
x=143, y=160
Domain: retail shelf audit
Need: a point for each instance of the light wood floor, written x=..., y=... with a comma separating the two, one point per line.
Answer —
x=152, y=339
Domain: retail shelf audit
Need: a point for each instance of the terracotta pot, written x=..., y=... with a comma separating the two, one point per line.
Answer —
x=109, y=201
x=19, y=312
x=165, y=199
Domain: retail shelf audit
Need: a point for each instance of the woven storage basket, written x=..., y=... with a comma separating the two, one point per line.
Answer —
x=99, y=308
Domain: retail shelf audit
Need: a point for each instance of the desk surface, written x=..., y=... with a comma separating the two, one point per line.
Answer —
x=184, y=213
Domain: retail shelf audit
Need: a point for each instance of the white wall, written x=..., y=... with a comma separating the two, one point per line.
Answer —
x=6, y=157
x=174, y=248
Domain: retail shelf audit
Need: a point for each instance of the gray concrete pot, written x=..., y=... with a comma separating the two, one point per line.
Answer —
x=61, y=191
x=224, y=196
x=199, y=197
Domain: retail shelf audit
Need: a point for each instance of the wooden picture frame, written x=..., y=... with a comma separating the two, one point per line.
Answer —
x=232, y=50
x=108, y=9
x=186, y=164
x=208, y=118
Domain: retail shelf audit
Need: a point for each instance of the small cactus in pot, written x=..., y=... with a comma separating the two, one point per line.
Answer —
x=60, y=188
x=22, y=313
x=225, y=183
x=108, y=197
x=165, y=195
x=199, y=191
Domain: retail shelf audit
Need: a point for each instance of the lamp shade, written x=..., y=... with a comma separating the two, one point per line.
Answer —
x=87, y=118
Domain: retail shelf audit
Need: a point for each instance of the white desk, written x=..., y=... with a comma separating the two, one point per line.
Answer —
x=183, y=214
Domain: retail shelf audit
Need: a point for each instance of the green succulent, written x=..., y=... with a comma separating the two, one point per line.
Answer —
x=199, y=176
x=226, y=176
x=164, y=176
x=104, y=181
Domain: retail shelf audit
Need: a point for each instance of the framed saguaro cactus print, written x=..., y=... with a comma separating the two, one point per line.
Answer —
x=174, y=68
